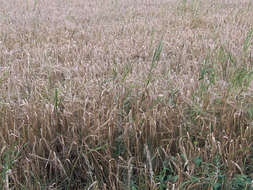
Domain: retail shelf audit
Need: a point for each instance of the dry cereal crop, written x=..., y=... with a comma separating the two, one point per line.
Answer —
x=126, y=94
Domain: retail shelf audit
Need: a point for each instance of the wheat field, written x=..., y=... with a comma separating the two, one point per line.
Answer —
x=126, y=94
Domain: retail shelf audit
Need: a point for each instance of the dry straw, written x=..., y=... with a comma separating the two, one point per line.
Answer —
x=92, y=98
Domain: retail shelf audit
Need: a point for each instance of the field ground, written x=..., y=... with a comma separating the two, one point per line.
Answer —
x=126, y=94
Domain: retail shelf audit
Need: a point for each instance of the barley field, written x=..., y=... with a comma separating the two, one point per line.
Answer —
x=126, y=94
